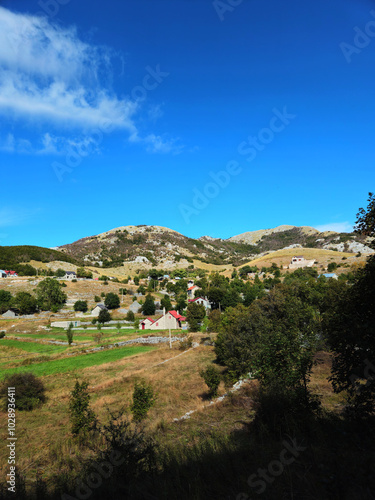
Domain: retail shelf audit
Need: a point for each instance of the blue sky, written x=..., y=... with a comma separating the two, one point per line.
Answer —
x=206, y=116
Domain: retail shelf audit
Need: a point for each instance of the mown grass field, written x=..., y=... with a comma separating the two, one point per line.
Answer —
x=77, y=362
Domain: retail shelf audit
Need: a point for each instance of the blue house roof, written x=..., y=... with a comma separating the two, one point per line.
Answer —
x=329, y=275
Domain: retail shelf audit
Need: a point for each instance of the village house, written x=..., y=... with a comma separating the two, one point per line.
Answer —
x=97, y=309
x=201, y=301
x=299, y=261
x=70, y=275
x=65, y=324
x=191, y=291
x=146, y=323
x=11, y=274
x=171, y=319
x=3, y=274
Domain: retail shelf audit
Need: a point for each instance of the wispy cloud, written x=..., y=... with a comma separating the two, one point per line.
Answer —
x=50, y=74
x=14, y=216
x=158, y=144
x=49, y=144
x=338, y=227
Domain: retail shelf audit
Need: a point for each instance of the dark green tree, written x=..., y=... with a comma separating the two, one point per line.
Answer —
x=149, y=307
x=25, y=303
x=69, y=334
x=274, y=339
x=144, y=398
x=30, y=391
x=350, y=330
x=50, y=295
x=81, y=305
x=212, y=377
x=112, y=300
x=130, y=316
x=104, y=316
x=166, y=303
x=194, y=316
x=5, y=300
x=82, y=418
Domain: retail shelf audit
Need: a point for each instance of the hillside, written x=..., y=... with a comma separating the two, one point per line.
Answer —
x=13, y=257
x=123, y=250
x=154, y=246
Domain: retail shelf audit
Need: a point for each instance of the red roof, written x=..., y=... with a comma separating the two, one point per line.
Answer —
x=191, y=287
x=197, y=298
x=176, y=315
x=150, y=319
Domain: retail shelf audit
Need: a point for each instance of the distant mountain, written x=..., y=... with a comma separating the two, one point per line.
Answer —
x=11, y=257
x=155, y=246
x=163, y=247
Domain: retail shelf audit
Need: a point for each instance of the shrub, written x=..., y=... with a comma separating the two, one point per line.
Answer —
x=97, y=299
x=82, y=418
x=212, y=377
x=186, y=343
x=30, y=391
x=332, y=266
x=2, y=335
x=104, y=316
x=112, y=301
x=98, y=337
x=81, y=305
x=143, y=399
x=130, y=316
x=69, y=333
x=74, y=280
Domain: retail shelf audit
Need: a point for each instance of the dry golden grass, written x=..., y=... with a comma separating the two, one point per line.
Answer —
x=323, y=257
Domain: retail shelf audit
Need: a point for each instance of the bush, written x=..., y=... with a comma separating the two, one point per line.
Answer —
x=104, y=316
x=212, y=378
x=332, y=266
x=112, y=301
x=98, y=337
x=81, y=305
x=69, y=334
x=2, y=335
x=82, y=417
x=186, y=343
x=97, y=299
x=130, y=316
x=143, y=399
x=74, y=280
x=30, y=391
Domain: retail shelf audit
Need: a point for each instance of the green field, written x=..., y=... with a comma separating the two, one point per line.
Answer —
x=33, y=347
x=77, y=362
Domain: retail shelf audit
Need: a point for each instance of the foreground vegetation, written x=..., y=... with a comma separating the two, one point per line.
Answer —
x=301, y=426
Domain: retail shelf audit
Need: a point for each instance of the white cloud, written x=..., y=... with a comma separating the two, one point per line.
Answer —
x=157, y=144
x=50, y=145
x=338, y=227
x=49, y=76
x=48, y=72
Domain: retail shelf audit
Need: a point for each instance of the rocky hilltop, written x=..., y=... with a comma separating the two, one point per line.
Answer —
x=164, y=247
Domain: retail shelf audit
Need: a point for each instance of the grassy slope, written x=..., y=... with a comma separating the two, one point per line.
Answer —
x=77, y=362
x=285, y=256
